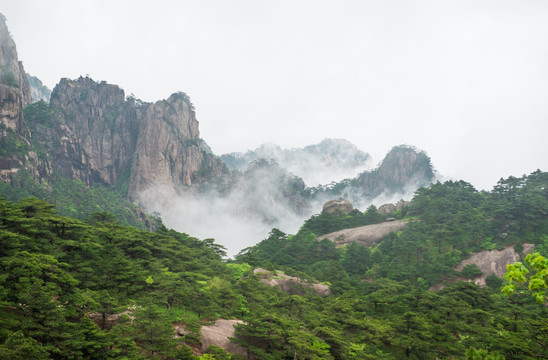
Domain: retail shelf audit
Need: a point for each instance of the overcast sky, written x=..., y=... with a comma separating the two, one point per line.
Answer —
x=466, y=81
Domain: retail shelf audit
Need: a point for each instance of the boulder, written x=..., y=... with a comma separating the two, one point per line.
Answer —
x=386, y=209
x=341, y=205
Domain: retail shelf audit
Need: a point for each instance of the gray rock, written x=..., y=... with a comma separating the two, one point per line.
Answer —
x=386, y=209
x=341, y=205
x=365, y=235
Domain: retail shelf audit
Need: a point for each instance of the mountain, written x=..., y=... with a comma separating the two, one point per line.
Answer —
x=403, y=170
x=330, y=160
x=39, y=91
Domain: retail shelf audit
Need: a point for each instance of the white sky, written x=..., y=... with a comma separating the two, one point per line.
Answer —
x=466, y=81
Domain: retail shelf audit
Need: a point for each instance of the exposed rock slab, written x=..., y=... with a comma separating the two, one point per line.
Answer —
x=219, y=333
x=290, y=284
x=366, y=235
x=493, y=262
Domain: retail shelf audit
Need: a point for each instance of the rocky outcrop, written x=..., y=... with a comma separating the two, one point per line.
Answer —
x=389, y=208
x=11, y=108
x=365, y=235
x=14, y=86
x=168, y=151
x=94, y=130
x=38, y=91
x=404, y=169
x=219, y=334
x=290, y=284
x=493, y=262
x=96, y=135
x=12, y=72
x=341, y=205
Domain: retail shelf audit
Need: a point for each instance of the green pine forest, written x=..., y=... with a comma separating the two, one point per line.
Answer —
x=62, y=277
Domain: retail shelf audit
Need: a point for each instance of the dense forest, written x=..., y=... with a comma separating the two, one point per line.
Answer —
x=61, y=279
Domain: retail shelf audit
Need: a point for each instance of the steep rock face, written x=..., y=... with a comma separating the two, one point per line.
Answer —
x=12, y=72
x=96, y=135
x=14, y=86
x=95, y=131
x=38, y=91
x=167, y=150
x=11, y=108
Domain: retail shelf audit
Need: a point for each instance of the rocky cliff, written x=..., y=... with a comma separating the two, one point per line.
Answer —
x=14, y=86
x=95, y=135
x=38, y=91
x=168, y=151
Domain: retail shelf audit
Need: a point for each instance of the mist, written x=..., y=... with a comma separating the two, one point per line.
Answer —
x=265, y=196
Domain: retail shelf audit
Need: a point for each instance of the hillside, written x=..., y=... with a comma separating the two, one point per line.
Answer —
x=161, y=292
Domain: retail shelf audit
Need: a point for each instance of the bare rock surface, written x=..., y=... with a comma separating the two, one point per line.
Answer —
x=290, y=284
x=12, y=71
x=341, y=205
x=386, y=209
x=493, y=262
x=219, y=333
x=14, y=85
x=366, y=235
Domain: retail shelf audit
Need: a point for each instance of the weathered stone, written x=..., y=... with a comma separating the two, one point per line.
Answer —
x=98, y=136
x=219, y=334
x=10, y=66
x=365, y=235
x=386, y=209
x=341, y=205
x=290, y=284
x=493, y=261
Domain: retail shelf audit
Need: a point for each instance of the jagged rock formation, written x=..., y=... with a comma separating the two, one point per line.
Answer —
x=38, y=91
x=386, y=209
x=14, y=86
x=341, y=205
x=404, y=168
x=168, y=150
x=96, y=135
x=331, y=159
x=290, y=284
x=366, y=235
x=92, y=133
